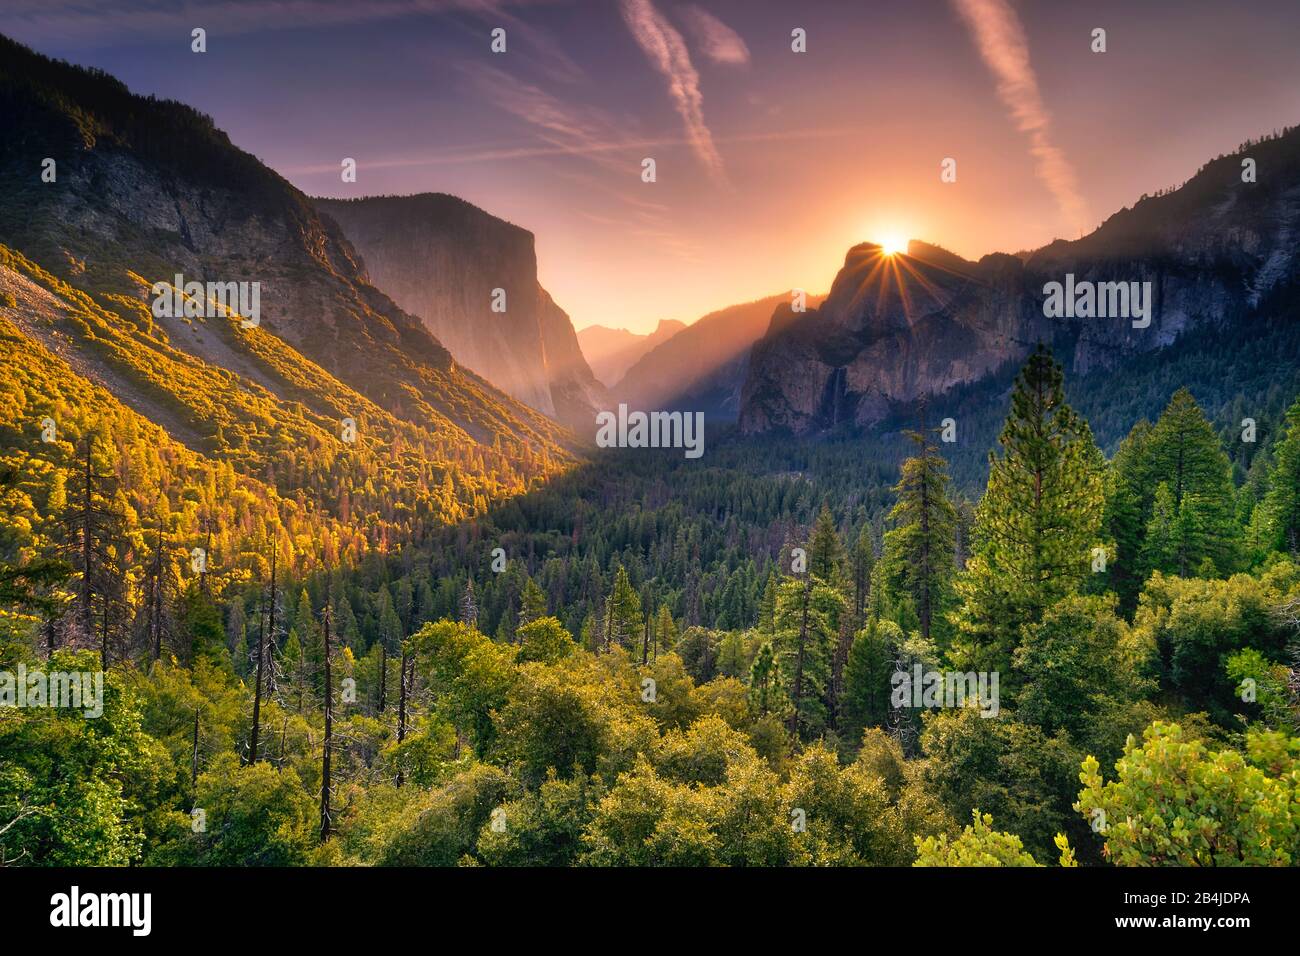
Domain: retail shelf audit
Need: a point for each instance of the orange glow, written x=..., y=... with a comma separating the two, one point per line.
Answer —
x=893, y=245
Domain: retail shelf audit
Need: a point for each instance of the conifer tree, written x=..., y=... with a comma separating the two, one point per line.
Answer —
x=1281, y=505
x=469, y=605
x=532, y=603
x=805, y=634
x=1130, y=488
x=762, y=679
x=1037, y=523
x=867, y=676
x=622, y=612
x=767, y=607
x=862, y=562
x=825, y=551
x=665, y=630
x=920, y=550
x=159, y=594
x=1184, y=452
x=93, y=549
x=265, y=639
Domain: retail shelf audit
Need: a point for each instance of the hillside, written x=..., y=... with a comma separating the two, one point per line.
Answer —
x=145, y=190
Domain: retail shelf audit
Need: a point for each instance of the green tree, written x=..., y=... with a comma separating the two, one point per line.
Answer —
x=532, y=603
x=978, y=845
x=806, y=611
x=867, y=678
x=920, y=550
x=622, y=618
x=825, y=551
x=1037, y=523
x=1175, y=802
x=1282, y=501
x=1130, y=489
x=1197, y=518
x=544, y=639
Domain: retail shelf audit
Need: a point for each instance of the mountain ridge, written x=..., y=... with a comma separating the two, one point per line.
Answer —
x=1215, y=251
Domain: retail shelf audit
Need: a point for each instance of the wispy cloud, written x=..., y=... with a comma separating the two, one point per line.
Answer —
x=562, y=128
x=719, y=42
x=1000, y=38
x=666, y=50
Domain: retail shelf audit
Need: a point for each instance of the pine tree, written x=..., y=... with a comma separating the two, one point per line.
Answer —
x=469, y=606
x=1184, y=452
x=1037, y=523
x=762, y=679
x=1281, y=505
x=665, y=630
x=767, y=607
x=825, y=551
x=532, y=603
x=96, y=528
x=1130, y=488
x=622, y=612
x=159, y=593
x=920, y=551
x=806, y=611
x=867, y=678
x=862, y=562
x=265, y=641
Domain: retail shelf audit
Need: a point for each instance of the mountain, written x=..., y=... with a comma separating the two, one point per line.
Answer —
x=702, y=367
x=144, y=190
x=611, y=352
x=440, y=258
x=1217, y=253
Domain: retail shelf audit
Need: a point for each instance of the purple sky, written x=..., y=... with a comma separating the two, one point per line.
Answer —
x=770, y=163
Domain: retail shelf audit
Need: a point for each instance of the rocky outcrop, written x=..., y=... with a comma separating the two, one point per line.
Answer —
x=442, y=259
x=897, y=328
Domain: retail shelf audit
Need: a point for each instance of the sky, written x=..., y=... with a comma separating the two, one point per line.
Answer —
x=769, y=164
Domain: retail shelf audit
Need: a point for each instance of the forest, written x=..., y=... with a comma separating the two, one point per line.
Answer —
x=651, y=661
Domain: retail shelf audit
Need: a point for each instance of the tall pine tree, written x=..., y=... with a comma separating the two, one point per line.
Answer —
x=920, y=551
x=1037, y=523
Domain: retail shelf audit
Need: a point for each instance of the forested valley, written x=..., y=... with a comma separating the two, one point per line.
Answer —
x=643, y=660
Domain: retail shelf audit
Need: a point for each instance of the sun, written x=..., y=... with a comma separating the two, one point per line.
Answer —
x=893, y=245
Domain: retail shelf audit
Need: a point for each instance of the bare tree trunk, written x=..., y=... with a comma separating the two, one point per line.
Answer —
x=383, y=674
x=261, y=658
x=401, y=707
x=87, y=551
x=194, y=756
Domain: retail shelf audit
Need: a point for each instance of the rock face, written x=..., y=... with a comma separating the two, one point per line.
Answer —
x=147, y=189
x=611, y=352
x=896, y=328
x=702, y=367
x=441, y=259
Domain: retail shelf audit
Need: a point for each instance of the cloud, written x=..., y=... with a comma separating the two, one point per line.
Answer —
x=719, y=42
x=998, y=34
x=666, y=50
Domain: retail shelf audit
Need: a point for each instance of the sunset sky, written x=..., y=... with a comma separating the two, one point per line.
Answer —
x=770, y=163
